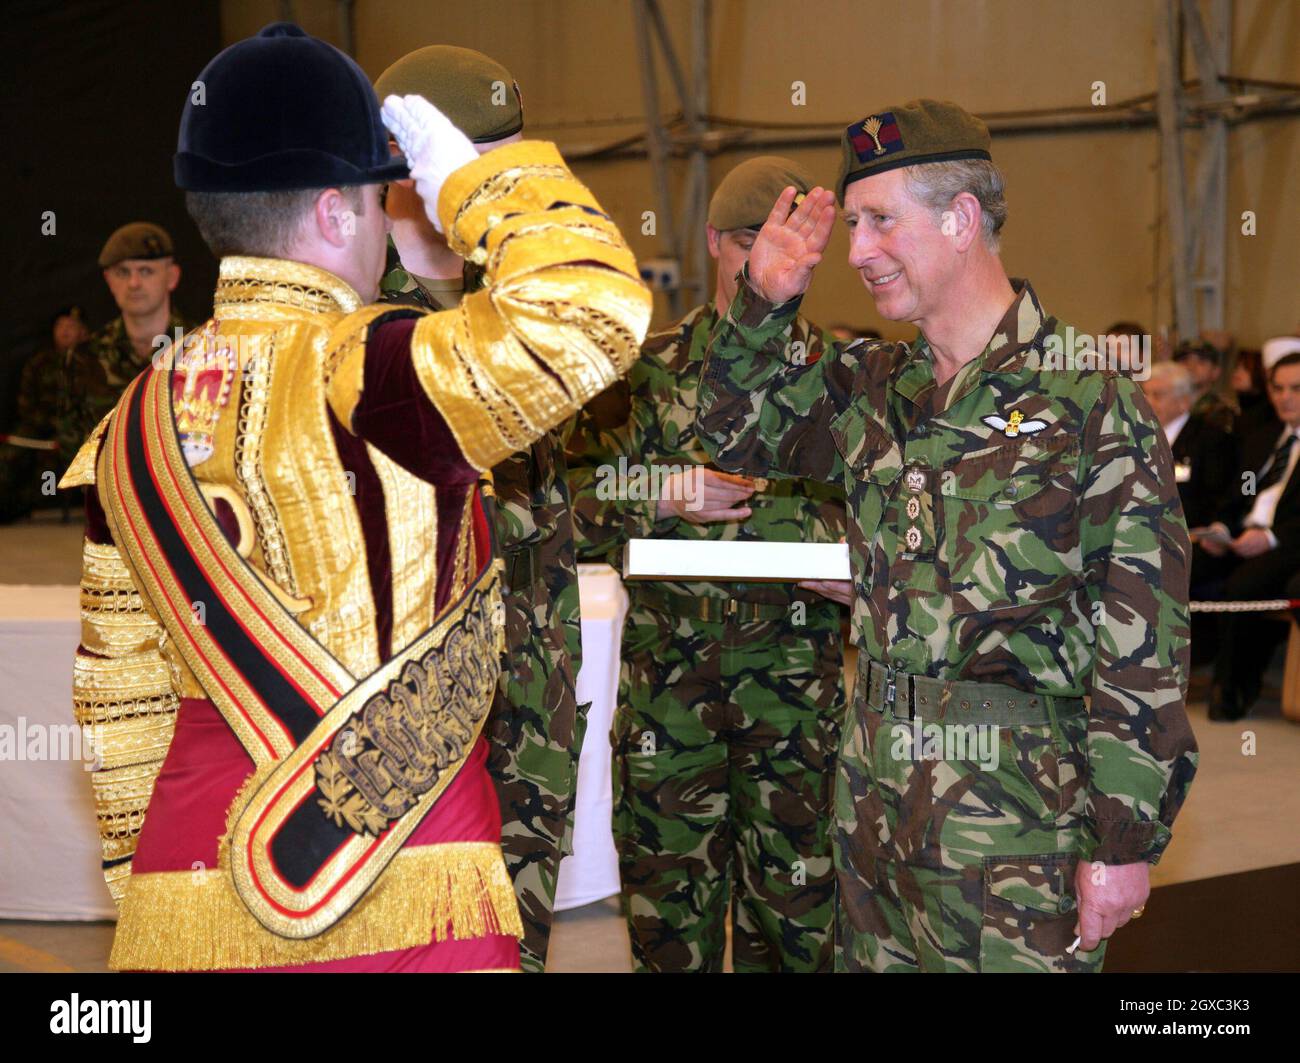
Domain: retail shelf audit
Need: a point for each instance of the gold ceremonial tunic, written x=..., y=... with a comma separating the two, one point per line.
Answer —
x=339, y=447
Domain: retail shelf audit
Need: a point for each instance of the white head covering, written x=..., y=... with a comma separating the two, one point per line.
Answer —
x=1278, y=348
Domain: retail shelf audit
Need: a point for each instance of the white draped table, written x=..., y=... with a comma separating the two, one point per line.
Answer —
x=49, y=844
x=590, y=873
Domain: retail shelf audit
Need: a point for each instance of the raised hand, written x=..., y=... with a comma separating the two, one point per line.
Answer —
x=433, y=146
x=790, y=245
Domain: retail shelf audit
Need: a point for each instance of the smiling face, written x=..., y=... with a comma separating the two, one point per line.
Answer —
x=897, y=246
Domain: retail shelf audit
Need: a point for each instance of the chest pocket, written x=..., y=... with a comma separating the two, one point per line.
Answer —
x=1011, y=525
x=873, y=463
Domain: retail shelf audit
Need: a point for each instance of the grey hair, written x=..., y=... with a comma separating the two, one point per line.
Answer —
x=1180, y=380
x=262, y=224
x=937, y=184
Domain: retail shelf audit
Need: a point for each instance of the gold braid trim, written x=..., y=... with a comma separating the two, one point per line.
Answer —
x=125, y=702
x=117, y=877
x=194, y=920
x=250, y=429
x=248, y=284
x=121, y=798
x=523, y=178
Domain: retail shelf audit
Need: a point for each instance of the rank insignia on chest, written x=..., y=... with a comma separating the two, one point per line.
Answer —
x=1014, y=425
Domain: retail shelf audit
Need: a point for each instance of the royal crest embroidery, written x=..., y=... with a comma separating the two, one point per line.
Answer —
x=201, y=382
x=1015, y=425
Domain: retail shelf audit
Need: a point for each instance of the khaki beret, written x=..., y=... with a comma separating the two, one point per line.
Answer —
x=475, y=92
x=744, y=198
x=139, y=239
x=917, y=132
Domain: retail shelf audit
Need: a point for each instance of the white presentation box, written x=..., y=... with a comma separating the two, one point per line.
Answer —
x=684, y=559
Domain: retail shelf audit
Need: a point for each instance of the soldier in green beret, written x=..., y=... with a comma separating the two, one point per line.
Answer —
x=1017, y=547
x=536, y=727
x=730, y=693
x=140, y=270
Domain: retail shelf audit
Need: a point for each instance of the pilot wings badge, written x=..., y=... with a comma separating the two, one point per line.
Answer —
x=1015, y=425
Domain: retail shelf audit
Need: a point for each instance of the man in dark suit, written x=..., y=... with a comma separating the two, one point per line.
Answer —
x=1260, y=535
x=1205, y=456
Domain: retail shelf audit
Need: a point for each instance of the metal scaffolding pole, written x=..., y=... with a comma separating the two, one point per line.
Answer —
x=1208, y=219
x=686, y=230
x=1170, y=106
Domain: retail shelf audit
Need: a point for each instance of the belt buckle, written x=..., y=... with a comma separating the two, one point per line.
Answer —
x=891, y=687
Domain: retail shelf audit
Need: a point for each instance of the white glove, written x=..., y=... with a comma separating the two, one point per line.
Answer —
x=434, y=148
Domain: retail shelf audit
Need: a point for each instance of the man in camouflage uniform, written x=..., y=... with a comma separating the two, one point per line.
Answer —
x=731, y=693
x=1017, y=546
x=536, y=725
x=139, y=269
x=29, y=458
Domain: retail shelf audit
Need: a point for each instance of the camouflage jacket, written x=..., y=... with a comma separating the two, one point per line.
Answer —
x=531, y=487
x=615, y=489
x=40, y=395
x=1021, y=527
x=95, y=375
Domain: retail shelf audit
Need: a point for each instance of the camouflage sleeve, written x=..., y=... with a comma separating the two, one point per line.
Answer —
x=766, y=404
x=605, y=515
x=1141, y=751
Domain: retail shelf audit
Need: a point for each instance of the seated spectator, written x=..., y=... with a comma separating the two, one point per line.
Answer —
x=1122, y=346
x=1250, y=386
x=1257, y=544
x=29, y=451
x=1205, y=456
x=1205, y=363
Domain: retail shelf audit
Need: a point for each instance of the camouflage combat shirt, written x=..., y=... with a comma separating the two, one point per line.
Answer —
x=1020, y=526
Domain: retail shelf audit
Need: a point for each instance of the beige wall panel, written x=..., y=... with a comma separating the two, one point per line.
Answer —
x=1085, y=222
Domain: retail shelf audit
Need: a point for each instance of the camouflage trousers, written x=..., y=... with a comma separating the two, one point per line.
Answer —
x=535, y=732
x=959, y=854
x=723, y=755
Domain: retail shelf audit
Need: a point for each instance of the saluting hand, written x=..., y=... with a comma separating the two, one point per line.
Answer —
x=433, y=146
x=790, y=245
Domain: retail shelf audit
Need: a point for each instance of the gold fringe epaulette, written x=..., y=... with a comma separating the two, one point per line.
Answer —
x=195, y=921
x=81, y=473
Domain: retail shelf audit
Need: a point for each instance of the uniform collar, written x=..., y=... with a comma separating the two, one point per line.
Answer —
x=1018, y=334
x=245, y=283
